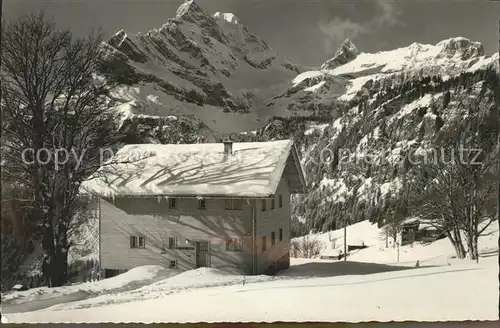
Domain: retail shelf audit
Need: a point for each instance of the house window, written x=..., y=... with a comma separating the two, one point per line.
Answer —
x=172, y=203
x=264, y=205
x=133, y=242
x=273, y=203
x=273, y=238
x=173, y=264
x=202, y=204
x=172, y=243
x=238, y=246
x=234, y=245
x=264, y=244
x=137, y=242
x=234, y=204
x=281, y=234
x=229, y=245
x=281, y=201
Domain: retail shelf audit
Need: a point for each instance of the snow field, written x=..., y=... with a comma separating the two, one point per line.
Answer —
x=371, y=286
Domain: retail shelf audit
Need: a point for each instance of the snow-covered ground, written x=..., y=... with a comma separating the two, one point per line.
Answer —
x=365, y=233
x=39, y=297
x=371, y=286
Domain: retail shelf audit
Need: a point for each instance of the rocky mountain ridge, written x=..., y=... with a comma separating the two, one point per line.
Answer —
x=205, y=66
x=212, y=69
x=346, y=53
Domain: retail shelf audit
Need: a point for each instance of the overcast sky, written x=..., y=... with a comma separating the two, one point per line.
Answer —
x=304, y=31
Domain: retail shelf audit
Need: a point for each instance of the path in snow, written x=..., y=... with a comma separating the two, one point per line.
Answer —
x=44, y=297
x=39, y=304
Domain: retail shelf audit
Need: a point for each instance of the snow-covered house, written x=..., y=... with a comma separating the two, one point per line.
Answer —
x=415, y=229
x=221, y=205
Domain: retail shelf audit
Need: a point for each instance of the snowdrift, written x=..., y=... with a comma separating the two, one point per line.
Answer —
x=131, y=279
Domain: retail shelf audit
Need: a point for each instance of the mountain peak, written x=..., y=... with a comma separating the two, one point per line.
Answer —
x=228, y=17
x=346, y=53
x=191, y=12
x=118, y=39
x=189, y=9
x=462, y=47
x=349, y=45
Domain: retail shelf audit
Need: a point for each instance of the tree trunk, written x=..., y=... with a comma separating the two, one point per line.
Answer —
x=456, y=241
x=472, y=241
x=470, y=248
x=476, y=240
x=458, y=251
x=56, y=249
x=48, y=249
x=458, y=238
x=59, y=269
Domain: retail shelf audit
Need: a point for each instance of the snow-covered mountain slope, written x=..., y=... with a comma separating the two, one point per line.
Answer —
x=349, y=71
x=207, y=66
x=451, y=55
x=211, y=70
x=387, y=125
x=390, y=104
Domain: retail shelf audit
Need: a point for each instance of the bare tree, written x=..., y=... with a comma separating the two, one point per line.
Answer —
x=306, y=247
x=55, y=123
x=455, y=193
x=394, y=212
x=433, y=200
x=392, y=229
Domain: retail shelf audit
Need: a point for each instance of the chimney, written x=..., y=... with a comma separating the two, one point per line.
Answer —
x=228, y=147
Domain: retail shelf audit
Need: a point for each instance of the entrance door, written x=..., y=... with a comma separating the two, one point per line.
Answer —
x=202, y=249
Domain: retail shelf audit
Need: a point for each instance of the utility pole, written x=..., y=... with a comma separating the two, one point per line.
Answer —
x=398, y=250
x=345, y=238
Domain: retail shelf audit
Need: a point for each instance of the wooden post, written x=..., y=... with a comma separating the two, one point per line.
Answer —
x=254, y=238
x=99, y=267
x=399, y=242
x=345, y=239
x=398, y=250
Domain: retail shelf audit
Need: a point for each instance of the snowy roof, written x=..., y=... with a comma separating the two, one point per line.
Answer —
x=331, y=252
x=183, y=170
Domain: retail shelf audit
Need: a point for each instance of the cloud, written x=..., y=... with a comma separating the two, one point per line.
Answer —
x=389, y=15
x=338, y=29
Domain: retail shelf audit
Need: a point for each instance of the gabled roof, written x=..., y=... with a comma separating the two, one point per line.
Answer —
x=183, y=170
